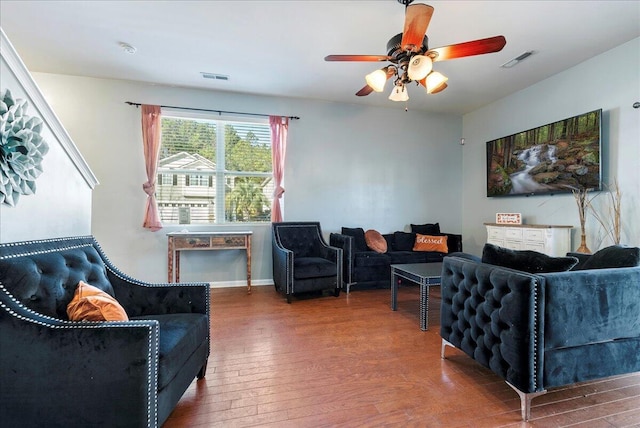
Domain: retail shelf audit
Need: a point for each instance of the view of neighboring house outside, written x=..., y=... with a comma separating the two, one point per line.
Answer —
x=201, y=181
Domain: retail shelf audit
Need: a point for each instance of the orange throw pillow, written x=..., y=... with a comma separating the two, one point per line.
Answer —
x=89, y=303
x=431, y=243
x=375, y=241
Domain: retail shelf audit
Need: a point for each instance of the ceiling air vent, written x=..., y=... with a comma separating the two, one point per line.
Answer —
x=517, y=59
x=214, y=76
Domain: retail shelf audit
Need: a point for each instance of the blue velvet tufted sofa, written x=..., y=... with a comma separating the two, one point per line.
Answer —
x=366, y=268
x=61, y=373
x=543, y=330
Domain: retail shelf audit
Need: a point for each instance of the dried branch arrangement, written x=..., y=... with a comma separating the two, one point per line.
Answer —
x=609, y=217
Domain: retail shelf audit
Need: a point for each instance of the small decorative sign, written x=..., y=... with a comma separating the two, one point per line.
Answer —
x=508, y=218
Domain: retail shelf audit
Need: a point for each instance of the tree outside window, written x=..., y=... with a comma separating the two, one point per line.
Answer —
x=220, y=170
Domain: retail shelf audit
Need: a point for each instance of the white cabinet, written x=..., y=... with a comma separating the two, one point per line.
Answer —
x=551, y=240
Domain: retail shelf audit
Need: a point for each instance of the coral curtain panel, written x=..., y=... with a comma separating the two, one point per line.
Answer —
x=279, y=129
x=151, y=130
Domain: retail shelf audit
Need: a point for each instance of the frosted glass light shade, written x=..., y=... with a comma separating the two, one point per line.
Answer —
x=376, y=80
x=399, y=93
x=419, y=67
x=435, y=81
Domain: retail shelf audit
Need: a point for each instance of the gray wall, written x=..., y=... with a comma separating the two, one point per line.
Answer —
x=610, y=81
x=380, y=168
x=61, y=205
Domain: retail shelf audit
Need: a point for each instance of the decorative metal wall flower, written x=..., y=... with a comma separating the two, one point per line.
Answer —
x=22, y=149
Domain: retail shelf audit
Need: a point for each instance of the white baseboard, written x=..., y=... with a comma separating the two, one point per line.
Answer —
x=240, y=283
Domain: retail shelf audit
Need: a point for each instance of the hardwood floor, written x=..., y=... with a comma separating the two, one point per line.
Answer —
x=352, y=362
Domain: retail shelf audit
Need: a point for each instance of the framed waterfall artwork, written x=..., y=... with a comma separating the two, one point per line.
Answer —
x=555, y=158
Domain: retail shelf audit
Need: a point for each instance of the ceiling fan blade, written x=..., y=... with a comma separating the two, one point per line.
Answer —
x=416, y=21
x=369, y=58
x=366, y=90
x=475, y=47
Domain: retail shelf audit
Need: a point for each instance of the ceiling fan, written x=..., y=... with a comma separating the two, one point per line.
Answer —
x=412, y=60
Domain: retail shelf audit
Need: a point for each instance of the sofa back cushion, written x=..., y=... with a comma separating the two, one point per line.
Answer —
x=404, y=241
x=615, y=256
x=426, y=229
x=526, y=260
x=43, y=275
x=359, y=241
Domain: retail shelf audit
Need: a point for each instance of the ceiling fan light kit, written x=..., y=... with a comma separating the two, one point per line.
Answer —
x=412, y=60
x=376, y=79
x=435, y=81
x=399, y=93
x=419, y=67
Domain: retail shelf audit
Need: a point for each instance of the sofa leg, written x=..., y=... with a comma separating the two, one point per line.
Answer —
x=445, y=343
x=203, y=371
x=289, y=298
x=336, y=292
x=525, y=401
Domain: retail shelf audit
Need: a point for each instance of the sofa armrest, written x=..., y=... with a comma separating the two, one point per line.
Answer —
x=591, y=306
x=494, y=315
x=100, y=366
x=282, y=266
x=346, y=243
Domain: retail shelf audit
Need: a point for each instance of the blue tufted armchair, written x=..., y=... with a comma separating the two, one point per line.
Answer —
x=60, y=373
x=302, y=260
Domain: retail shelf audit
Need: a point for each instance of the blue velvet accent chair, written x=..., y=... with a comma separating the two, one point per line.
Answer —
x=60, y=373
x=303, y=261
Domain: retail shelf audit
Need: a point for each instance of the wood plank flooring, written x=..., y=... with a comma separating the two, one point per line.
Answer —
x=352, y=362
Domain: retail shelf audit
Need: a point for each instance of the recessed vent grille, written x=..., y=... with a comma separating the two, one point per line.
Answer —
x=517, y=59
x=214, y=76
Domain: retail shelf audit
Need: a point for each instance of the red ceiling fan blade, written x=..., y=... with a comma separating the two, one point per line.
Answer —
x=475, y=47
x=366, y=90
x=369, y=58
x=416, y=21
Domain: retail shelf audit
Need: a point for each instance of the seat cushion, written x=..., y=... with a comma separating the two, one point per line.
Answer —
x=313, y=267
x=403, y=257
x=180, y=337
x=371, y=258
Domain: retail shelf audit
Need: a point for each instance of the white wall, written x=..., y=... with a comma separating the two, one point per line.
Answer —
x=61, y=205
x=380, y=168
x=610, y=81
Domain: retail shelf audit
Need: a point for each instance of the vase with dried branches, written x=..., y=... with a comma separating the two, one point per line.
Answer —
x=583, y=202
x=609, y=216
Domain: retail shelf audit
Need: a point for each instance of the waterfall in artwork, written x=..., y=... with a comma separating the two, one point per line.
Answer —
x=522, y=181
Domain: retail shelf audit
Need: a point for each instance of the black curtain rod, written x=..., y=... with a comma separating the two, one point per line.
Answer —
x=212, y=111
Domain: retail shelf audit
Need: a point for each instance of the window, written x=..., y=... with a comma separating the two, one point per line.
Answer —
x=218, y=170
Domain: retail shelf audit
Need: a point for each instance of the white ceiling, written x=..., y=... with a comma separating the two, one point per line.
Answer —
x=278, y=47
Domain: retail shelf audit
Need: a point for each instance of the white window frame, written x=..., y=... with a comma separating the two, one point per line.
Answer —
x=220, y=172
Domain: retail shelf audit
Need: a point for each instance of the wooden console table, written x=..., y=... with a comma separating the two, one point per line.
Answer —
x=192, y=241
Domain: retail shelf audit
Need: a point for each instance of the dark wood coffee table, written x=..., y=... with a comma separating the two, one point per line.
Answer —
x=423, y=274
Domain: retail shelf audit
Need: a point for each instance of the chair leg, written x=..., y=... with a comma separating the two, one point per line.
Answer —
x=525, y=401
x=203, y=371
x=445, y=343
x=289, y=298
